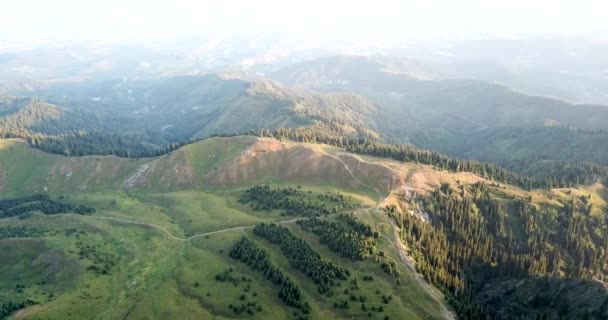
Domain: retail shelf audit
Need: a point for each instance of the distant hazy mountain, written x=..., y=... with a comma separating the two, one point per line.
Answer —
x=568, y=68
x=175, y=109
x=469, y=118
x=383, y=96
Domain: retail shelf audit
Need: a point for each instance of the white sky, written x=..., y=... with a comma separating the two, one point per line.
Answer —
x=151, y=19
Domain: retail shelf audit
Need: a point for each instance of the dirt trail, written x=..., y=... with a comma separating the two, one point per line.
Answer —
x=407, y=260
x=337, y=157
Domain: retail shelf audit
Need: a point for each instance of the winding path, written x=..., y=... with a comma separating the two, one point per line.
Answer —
x=167, y=232
x=337, y=157
x=409, y=263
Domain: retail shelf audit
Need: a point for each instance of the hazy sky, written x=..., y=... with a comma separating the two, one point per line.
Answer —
x=150, y=19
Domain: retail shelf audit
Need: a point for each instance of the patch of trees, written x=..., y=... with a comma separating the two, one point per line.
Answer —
x=22, y=232
x=347, y=237
x=294, y=201
x=474, y=237
x=95, y=142
x=257, y=259
x=102, y=263
x=104, y=143
x=55, y=130
x=390, y=267
x=303, y=257
x=7, y=308
x=226, y=276
x=561, y=174
x=251, y=308
x=42, y=203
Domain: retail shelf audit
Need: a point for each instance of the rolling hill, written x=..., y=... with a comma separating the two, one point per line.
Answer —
x=146, y=211
x=173, y=218
x=361, y=96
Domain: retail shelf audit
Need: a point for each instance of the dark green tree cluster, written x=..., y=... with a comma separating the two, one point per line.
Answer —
x=52, y=129
x=22, y=232
x=335, y=134
x=226, y=276
x=77, y=135
x=42, y=203
x=407, y=153
x=475, y=237
x=390, y=267
x=251, y=308
x=348, y=237
x=93, y=142
x=303, y=257
x=102, y=263
x=7, y=308
x=561, y=174
x=257, y=259
x=106, y=143
x=293, y=201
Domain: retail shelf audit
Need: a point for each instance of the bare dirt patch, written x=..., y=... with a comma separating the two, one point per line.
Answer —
x=137, y=177
x=268, y=160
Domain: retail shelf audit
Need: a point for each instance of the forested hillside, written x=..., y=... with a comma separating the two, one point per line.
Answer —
x=149, y=117
x=478, y=240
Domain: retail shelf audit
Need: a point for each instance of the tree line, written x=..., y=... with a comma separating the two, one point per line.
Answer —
x=560, y=174
x=294, y=201
x=7, y=308
x=347, y=237
x=22, y=232
x=42, y=203
x=257, y=259
x=303, y=257
x=102, y=263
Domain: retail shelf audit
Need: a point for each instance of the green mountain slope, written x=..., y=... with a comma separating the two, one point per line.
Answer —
x=147, y=209
x=157, y=203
